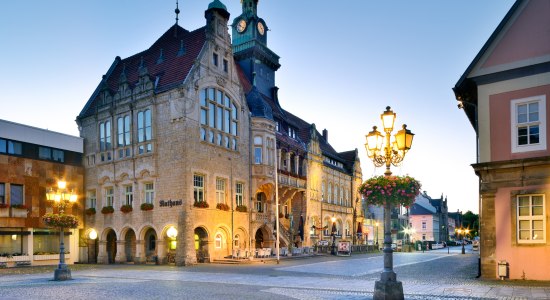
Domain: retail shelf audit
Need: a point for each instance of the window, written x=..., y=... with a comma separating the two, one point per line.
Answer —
x=285, y=210
x=128, y=195
x=91, y=199
x=257, y=155
x=260, y=198
x=291, y=132
x=236, y=241
x=346, y=230
x=219, y=118
x=218, y=241
x=44, y=153
x=149, y=193
x=58, y=155
x=16, y=194
x=3, y=144
x=15, y=148
x=225, y=65
x=145, y=133
x=215, y=59
x=2, y=193
x=198, y=191
x=220, y=190
x=239, y=188
x=329, y=193
x=423, y=225
x=123, y=130
x=109, y=196
x=531, y=221
x=528, y=124
x=104, y=136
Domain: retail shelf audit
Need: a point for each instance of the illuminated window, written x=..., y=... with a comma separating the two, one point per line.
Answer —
x=91, y=199
x=218, y=241
x=531, y=221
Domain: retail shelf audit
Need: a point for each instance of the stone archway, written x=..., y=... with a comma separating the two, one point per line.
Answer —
x=259, y=239
x=111, y=246
x=130, y=245
x=201, y=245
x=150, y=243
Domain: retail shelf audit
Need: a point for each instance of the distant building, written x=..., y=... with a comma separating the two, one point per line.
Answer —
x=424, y=219
x=32, y=160
x=505, y=93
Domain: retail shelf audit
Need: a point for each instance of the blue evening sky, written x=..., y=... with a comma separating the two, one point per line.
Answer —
x=342, y=63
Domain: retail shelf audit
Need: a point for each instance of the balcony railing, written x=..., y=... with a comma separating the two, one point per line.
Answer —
x=291, y=180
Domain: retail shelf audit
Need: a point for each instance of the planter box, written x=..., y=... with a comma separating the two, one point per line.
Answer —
x=4, y=212
x=20, y=258
x=19, y=212
x=50, y=256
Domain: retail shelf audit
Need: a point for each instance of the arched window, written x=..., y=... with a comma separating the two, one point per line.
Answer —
x=236, y=241
x=218, y=241
x=218, y=117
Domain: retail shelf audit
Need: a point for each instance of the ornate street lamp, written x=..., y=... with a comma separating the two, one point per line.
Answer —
x=463, y=232
x=383, y=151
x=333, y=234
x=62, y=198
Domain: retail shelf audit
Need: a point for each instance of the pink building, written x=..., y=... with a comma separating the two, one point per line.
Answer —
x=504, y=94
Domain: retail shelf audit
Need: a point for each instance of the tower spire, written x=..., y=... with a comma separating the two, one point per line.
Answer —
x=177, y=11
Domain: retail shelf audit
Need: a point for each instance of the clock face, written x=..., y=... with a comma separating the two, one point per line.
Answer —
x=241, y=26
x=261, y=28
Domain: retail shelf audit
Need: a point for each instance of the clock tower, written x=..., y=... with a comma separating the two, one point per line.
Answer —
x=249, y=39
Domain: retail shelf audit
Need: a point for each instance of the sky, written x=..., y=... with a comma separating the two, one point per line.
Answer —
x=342, y=63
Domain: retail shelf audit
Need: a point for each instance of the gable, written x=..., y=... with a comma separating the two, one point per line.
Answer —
x=522, y=40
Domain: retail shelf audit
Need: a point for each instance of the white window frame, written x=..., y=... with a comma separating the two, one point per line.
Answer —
x=198, y=188
x=109, y=196
x=531, y=218
x=541, y=145
x=149, y=190
x=218, y=241
x=239, y=188
x=128, y=195
x=220, y=190
x=92, y=199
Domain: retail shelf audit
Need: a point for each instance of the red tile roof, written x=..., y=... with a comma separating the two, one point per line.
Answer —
x=170, y=72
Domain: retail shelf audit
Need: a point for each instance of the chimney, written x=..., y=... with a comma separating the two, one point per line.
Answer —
x=325, y=135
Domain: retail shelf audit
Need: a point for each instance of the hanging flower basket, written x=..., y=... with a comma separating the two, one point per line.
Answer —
x=90, y=211
x=60, y=220
x=398, y=190
x=107, y=210
x=241, y=208
x=126, y=208
x=147, y=206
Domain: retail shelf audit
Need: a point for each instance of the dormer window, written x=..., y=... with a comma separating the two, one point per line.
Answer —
x=291, y=132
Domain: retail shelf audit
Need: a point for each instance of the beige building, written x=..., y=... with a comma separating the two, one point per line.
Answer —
x=188, y=135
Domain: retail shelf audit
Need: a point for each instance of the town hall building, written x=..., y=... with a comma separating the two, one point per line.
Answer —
x=187, y=150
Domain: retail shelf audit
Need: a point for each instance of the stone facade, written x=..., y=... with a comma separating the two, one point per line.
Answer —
x=182, y=126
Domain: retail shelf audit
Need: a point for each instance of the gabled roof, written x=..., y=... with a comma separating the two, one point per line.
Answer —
x=417, y=209
x=465, y=89
x=179, y=49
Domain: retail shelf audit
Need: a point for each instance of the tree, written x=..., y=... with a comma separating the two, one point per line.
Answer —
x=471, y=221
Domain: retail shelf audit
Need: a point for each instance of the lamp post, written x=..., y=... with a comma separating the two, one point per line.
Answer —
x=383, y=151
x=463, y=232
x=62, y=198
x=377, y=236
x=333, y=235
